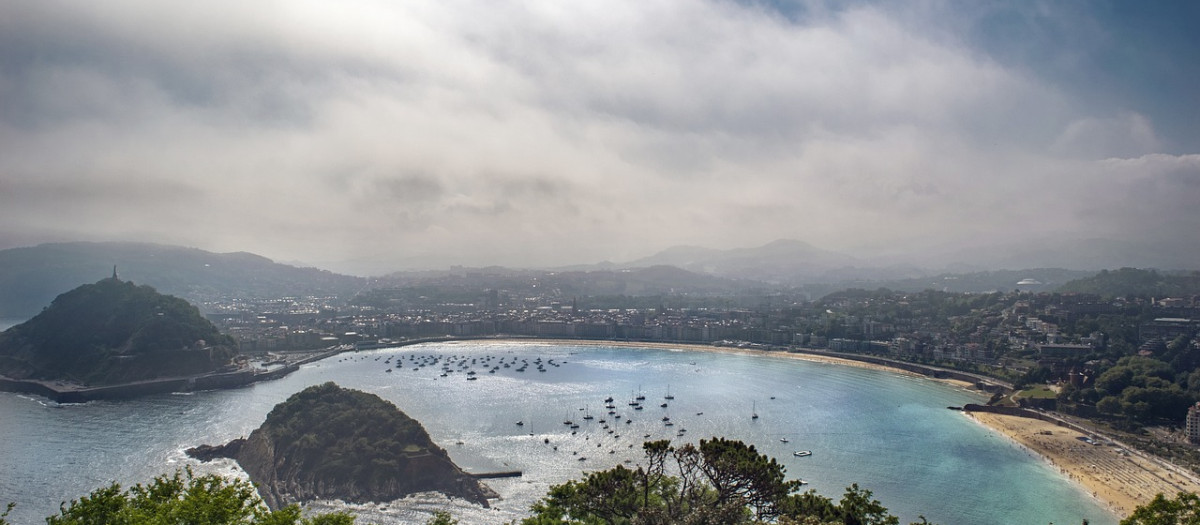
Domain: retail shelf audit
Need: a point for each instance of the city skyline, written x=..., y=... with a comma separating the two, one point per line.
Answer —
x=368, y=136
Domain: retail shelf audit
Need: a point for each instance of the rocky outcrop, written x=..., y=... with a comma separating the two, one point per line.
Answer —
x=327, y=443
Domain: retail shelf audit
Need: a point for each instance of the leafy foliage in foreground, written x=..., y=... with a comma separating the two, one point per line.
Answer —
x=718, y=482
x=184, y=499
x=645, y=496
x=1184, y=509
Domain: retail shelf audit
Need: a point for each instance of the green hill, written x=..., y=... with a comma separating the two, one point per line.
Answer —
x=113, y=332
x=1136, y=282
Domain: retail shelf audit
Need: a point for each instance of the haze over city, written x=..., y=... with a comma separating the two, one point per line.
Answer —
x=368, y=136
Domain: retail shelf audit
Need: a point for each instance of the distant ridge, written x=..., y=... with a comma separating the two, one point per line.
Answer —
x=31, y=277
x=1135, y=282
x=780, y=261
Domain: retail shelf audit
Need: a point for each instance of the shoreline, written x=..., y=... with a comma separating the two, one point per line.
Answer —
x=1120, y=481
x=810, y=355
x=1120, y=478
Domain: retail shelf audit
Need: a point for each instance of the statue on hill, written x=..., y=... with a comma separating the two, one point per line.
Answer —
x=328, y=442
x=113, y=332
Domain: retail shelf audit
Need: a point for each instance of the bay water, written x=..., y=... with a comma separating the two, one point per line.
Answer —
x=890, y=433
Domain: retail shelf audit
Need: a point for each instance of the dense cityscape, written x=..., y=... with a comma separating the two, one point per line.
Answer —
x=1003, y=332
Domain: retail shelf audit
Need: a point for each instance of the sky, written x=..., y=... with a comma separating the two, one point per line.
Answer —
x=365, y=136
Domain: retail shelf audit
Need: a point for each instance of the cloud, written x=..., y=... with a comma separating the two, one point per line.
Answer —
x=1125, y=135
x=540, y=133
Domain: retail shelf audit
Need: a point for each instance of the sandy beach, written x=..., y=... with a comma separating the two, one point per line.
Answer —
x=749, y=352
x=1121, y=479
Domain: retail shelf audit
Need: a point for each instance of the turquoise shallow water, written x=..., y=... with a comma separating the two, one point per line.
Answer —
x=890, y=433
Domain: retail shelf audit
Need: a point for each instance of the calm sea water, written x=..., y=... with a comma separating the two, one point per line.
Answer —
x=890, y=433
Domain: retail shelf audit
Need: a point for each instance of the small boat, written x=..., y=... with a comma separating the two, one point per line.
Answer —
x=520, y=423
x=753, y=411
x=783, y=440
x=802, y=453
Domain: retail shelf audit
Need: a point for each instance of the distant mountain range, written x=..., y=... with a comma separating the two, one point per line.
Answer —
x=30, y=278
x=782, y=261
x=1079, y=254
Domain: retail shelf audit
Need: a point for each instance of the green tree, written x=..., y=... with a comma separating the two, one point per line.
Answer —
x=441, y=517
x=184, y=499
x=718, y=482
x=857, y=508
x=1184, y=509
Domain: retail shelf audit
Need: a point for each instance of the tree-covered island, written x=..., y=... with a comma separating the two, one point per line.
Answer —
x=112, y=332
x=328, y=442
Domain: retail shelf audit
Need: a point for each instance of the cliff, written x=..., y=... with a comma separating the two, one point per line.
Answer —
x=327, y=442
x=113, y=332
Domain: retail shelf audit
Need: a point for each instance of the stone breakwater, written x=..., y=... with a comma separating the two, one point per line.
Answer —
x=63, y=392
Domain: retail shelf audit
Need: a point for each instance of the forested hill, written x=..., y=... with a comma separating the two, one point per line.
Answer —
x=1134, y=282
x=31, y=277
x=111, y=332
x=327, y=442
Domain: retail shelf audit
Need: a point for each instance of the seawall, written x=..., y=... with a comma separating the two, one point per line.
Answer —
x=1025, y=412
